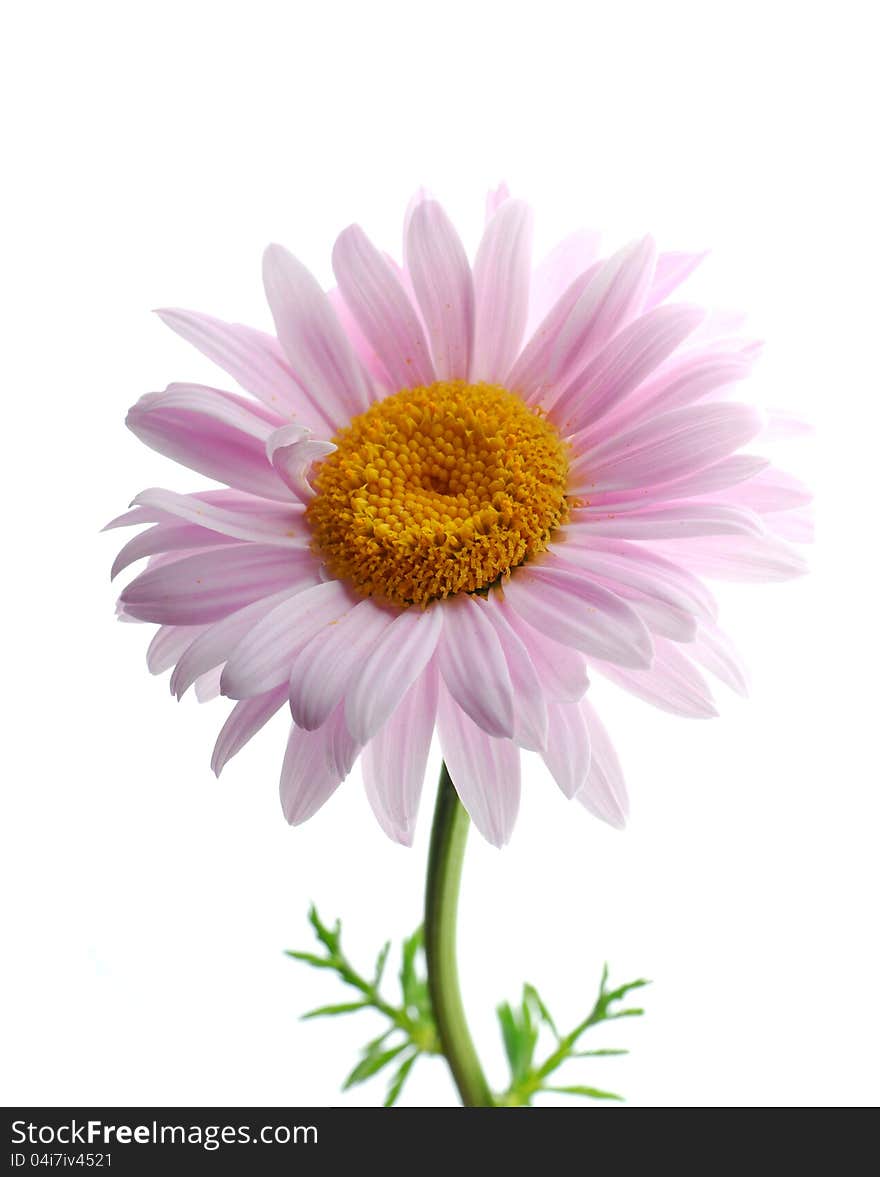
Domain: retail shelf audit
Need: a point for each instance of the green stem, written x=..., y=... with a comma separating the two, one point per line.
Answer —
x=448, y=837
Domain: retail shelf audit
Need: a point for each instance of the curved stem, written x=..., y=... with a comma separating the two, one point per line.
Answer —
x=448, y=837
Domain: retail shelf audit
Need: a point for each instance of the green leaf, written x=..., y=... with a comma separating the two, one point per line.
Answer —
x=409, y=982
x=372, y=1063
x=317, y=962
x=328, y=937
x=381, y=960
x=607, y=1053
x=509, y=1035
x=331, y=1011
x=531, y=995
x=399, y=1079
x=520, y=1038
x=589, y=1092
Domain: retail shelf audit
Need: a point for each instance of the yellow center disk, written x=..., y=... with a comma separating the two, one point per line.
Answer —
x=438, y=490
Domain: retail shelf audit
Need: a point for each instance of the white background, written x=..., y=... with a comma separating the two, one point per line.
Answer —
x=151, y=150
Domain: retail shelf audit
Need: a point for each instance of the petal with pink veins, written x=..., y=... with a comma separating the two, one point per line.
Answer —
x=273, y=525
x=568, y=747
x=398, y=658
x=292, y=454
x=561, y=670
x=529, y=704
x=672, y=269
x=444, y=287
x=614, y=296
x=207, y=586
x=313, y=340
x=676, y=520
x=571, y=610
x=214, y=433
x=532, y=375
x=738, y=557
x=667, y=447
x=395, y=760
x=484, y=770
x=246, y=718
x=326, y=666
x=636, y=566
x=672, y=683
x=556, y=272
x=164, y=538
x=168, y=644
x=628, y=359
x=315, y=764
x=382, y=309
x=501, y=290
x=263, y=657
x=252, y=358
x=604, y=794
x=216, y=642
x=472, y=662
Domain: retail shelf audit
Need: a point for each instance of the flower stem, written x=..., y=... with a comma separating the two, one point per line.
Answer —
x=445, y=859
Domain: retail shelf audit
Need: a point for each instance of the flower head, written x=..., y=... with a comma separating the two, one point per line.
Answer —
x=449, y=491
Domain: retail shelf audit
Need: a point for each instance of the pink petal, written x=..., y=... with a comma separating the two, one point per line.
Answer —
x=667, y=447
x=235, y=500
x=166, y=537
x=208, y=685
x=399, y=657
x=212, y=432
x=726, y=473
x=382, y=309
x=533, y=374
x=444, y=288
x=315, y=764
x=252, y=358
x=738, y=557
x=797, y=526
x=673, y=521
x=555, y=274
x=362, y=347
x=784, y=426
x=530, y=707
x=575, y=612
x=604, y=794
x=561, y=670
x=394, y=761
x=501, y=290
x=474, y=668
x=283, y=526
x=568, y=747
x=714, y=650
x=683, y=381
x=216, y=642
x=672, y=269
x=672, y=683
x=495, y=197
x=622, y=365
x=485, y=771
x=613, y=297
x=203, y=588
x=263, y=657
x=625, y=563
x=292, y=454
x=650, y=602
x=326, y=666
x=315, y=344
x=245, y=720
x=168, y=644
x=769, y=491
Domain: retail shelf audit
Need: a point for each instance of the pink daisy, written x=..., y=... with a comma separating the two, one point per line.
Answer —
x=450, y=493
